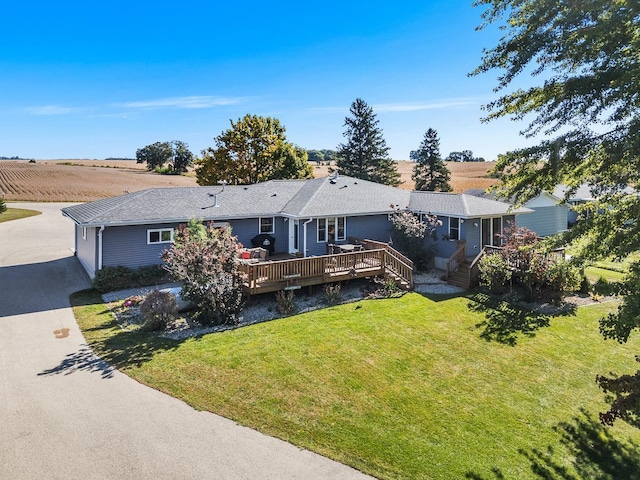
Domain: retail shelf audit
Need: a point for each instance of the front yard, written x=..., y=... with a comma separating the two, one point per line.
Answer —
x=407, y=388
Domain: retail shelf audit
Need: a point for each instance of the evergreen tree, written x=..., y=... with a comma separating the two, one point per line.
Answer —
x=365, y=154
x=3, y=205
x=430, y=173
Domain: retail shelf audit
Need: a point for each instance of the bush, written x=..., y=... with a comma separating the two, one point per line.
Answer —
x=563, y=277
x=158, y=309
x=109, y=279
x=332, y=293
x=285, y=300
x=494, y=272
x=409, y=234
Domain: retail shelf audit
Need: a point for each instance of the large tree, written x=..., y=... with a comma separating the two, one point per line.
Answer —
x=365, y=154
x=176, y=153
x=254, y=149
x=585, y=114
x=430, y=172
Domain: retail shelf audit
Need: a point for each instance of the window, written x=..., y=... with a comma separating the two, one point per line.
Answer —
x=267, y=225
x=332, y=229
x=454, y=228
x=84, y=233
x=161, y=235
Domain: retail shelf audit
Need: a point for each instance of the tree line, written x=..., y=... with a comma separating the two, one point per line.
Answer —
x=255, y=149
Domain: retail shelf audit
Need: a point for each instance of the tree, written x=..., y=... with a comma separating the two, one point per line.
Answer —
x=182, y=156
x=430, y=173
x=3, y=205
x=204, y=260
x=365, y=154
x=463, y=156
x=157, y=154
x=586, y=110
x=253, y=150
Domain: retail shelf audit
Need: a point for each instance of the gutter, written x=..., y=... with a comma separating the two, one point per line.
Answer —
x=100, y=247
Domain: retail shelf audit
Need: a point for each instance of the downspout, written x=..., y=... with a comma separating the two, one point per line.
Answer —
x=304, y=239
x=100, y=247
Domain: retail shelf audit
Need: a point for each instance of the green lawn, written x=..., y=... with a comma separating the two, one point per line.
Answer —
x=406, y=388
x=17, y=213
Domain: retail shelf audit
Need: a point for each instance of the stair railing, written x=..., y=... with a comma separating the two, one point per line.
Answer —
x=456, y=259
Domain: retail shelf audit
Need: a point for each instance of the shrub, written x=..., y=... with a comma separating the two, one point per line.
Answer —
x=158, y=309
x=563, y=277
x=332, y=293
x=109, y=279
x=494, y=272
x=211, y=279
x=285, y=300
x=409, y=233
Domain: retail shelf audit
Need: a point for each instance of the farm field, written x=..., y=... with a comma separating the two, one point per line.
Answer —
x=88, y=180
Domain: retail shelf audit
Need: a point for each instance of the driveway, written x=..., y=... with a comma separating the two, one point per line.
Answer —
x=64, y=414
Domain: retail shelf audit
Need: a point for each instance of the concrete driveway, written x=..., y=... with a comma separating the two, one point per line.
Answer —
x=64, y=414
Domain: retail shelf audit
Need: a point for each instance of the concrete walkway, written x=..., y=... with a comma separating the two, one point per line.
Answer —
x=64, y=414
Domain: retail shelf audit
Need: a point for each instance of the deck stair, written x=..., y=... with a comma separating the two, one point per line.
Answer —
x=462, y=276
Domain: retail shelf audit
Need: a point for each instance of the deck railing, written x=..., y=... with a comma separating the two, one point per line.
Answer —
x=299, y=272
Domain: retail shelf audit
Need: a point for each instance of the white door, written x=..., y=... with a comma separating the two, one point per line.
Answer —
x=294, y=236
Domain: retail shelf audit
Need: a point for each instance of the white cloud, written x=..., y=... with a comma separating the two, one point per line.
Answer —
x=412, y=107
x=51, y=110
x=192, y=102
x=407, y=106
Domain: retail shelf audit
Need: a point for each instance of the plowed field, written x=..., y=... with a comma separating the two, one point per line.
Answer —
x=87, y=180
x=78, y=181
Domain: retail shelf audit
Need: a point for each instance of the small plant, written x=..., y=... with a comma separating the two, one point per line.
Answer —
x=332, y=293
x=158, y=309
x=285, y=302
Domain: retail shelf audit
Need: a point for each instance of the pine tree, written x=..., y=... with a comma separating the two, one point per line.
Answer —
x=430, y=172
x=3, y=205
x=365, y=155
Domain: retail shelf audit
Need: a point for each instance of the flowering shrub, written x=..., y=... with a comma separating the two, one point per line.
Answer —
x=409, y=233
x=204, y=260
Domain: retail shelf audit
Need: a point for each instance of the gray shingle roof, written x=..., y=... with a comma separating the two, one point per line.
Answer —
x=460, y=205
x=297, y=198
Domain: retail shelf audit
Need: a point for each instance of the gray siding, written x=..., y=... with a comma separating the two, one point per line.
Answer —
x=127, y=246
x=87, y=250
x=545, y=221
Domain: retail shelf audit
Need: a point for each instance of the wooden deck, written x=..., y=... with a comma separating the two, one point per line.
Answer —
x=273, y=276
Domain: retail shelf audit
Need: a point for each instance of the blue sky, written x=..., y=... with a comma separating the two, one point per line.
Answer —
x=102, y=79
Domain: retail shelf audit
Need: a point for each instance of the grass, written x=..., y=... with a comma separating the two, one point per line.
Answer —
x=16, y=214
x=405, y=388
x=594, y=273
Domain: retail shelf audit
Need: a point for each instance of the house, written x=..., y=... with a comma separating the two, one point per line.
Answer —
x=548, y=213
x=301, y=217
